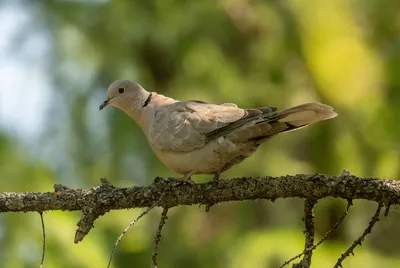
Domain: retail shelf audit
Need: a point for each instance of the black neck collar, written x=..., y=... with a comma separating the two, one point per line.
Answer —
x=147, y=101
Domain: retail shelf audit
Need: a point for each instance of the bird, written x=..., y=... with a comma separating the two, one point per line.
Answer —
x=196, y=137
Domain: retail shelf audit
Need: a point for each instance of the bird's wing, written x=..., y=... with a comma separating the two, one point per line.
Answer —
x=185, y=126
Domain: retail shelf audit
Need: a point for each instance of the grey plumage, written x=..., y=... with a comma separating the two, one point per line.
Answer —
x=196, y=137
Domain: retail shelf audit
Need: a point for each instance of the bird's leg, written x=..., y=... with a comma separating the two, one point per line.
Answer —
x=216, y=175
x=187, y=178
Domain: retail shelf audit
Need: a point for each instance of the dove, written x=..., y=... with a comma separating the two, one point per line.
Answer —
x=196, y=137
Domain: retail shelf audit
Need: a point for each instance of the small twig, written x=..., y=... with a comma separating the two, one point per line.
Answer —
x=44, y=239
x=358, y=241
x=345, y=172
x=327, y=234
x=92, y=212
x=208, y=206
x=387, y=209
x=309, y=223
x=157, y=237
x=126, y=229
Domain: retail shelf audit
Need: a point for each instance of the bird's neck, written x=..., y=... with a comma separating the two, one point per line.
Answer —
x=147, y=112
x=158, y=100
x=133, y=104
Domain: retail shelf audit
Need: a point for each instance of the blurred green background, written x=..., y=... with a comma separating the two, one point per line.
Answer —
x=58, y=57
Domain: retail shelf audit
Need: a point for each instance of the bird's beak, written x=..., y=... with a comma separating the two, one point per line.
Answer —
x=103, y=105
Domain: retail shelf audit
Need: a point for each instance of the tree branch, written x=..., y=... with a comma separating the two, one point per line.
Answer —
x=169, y=193
x=44, y=239
x=359, y=240
x=165, y=193
x=327, y=234
x=309, y=222
x=157, y=238
x=126, y=230
x=107, y=197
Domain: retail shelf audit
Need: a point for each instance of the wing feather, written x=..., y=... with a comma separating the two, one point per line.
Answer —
x=188, y=125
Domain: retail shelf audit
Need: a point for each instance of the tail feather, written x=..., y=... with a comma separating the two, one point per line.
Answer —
x=293, y=118
x=306, y=114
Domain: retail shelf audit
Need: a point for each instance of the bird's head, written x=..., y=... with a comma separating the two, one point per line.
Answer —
x=125, y=95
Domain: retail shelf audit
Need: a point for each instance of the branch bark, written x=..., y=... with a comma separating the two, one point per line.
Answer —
x=309, y=222
x=106, y=197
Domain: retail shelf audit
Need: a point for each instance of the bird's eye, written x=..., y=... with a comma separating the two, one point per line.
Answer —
x=121, y=90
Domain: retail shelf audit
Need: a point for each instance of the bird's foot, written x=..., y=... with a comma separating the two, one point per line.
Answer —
x=216, y=176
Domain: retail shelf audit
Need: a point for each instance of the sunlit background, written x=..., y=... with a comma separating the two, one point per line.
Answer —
x=58, y=57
